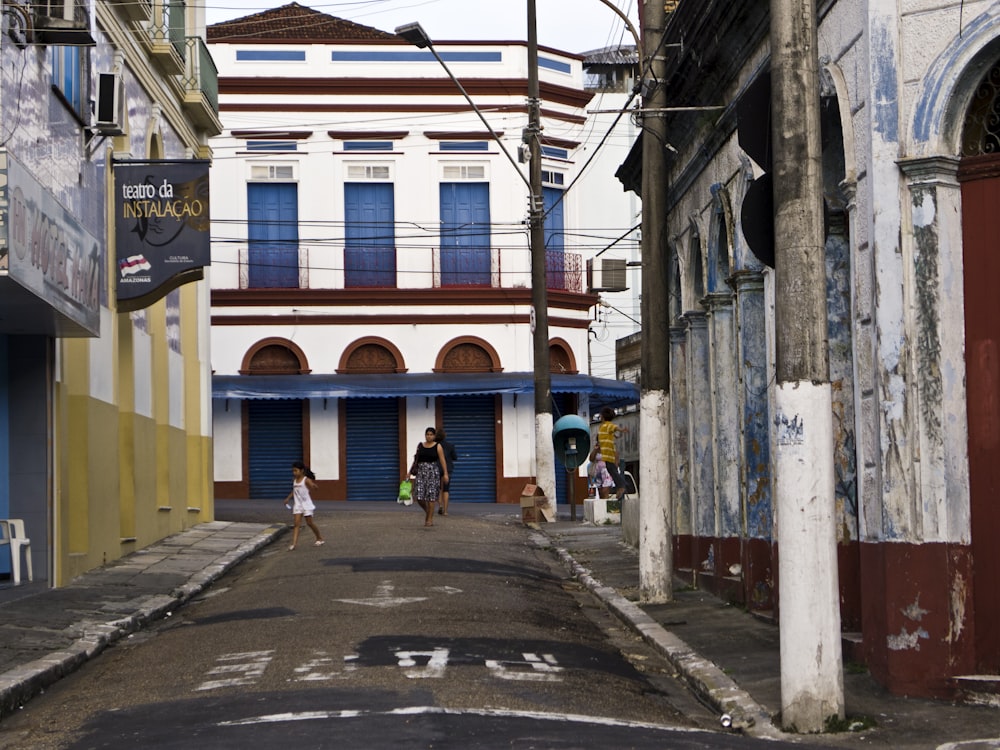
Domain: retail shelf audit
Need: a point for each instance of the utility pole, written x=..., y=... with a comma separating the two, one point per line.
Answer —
x=545, y=463
x=655, y=509
x=812, y=685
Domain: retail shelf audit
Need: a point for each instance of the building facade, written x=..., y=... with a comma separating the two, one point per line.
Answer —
x=909, y=103
x=371, y=270
x=105, y=442
x=613, y=216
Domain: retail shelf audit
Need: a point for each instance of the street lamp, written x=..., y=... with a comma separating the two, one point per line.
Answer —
x=415, y=35
x=544, y=451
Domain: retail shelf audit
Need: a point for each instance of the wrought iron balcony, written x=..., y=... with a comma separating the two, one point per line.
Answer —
x=201, y=86
x=167, y=38
x=298, y=265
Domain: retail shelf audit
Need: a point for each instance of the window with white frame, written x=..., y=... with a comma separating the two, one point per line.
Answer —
x=455, y=172
x=553, y=178
x=272, y=172
x=369, y=171
x=70, y=76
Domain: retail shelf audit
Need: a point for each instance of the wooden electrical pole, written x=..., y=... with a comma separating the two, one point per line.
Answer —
x=545, y=463
x=655, y=508
x=812, y=689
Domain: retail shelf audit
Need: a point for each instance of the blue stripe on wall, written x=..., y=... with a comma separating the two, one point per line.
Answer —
x=548, y=62
x=413, y=56
x=271, y=55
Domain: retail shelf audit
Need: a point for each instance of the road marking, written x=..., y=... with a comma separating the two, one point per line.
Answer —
x=447, y=589
x=249, y=664
x=437, y=662
x=383, y=598
x=607, y=721
x=543, y=669
x=316, y=669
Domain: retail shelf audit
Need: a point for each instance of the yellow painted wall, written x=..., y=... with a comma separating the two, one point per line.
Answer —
x=125, y=481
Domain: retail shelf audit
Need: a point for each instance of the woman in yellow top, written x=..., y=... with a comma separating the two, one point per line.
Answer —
x=606, y=435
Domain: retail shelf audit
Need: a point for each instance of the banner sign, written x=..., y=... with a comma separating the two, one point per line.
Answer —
x=162, y=228
x=46, y=250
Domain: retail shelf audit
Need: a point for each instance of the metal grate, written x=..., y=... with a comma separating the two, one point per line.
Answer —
x=981, y=132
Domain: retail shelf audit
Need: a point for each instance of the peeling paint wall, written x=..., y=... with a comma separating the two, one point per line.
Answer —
x=754, y=377
x=900, y=73
x=933, y=243
x=700, y=426
x=680, y=441
x=838, y=296
x=726, y=416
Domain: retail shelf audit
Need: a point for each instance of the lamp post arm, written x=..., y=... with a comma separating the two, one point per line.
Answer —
x=628, y=24
x=476, y=109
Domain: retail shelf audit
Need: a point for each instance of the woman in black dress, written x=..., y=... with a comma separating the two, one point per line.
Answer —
x=428, y=469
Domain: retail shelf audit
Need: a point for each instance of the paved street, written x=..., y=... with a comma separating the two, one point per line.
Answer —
x=478, y=632
x=466, y=634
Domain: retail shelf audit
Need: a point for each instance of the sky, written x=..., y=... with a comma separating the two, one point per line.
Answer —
x=567, y=25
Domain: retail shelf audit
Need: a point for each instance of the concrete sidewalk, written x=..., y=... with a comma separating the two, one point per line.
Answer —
x=47, y=633
x=731, y=658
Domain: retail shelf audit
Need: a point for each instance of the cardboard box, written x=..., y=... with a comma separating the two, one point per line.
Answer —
x=530, y=494
x=532, y=500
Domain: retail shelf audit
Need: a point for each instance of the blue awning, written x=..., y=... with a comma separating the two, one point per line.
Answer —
x=397, y=385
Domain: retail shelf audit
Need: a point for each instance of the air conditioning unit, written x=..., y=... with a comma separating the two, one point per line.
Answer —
x=64, y=22
x=606, y=275
x=62, y=9
x=110, y=106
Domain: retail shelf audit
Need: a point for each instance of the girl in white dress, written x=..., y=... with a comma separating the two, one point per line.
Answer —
x=303, y=480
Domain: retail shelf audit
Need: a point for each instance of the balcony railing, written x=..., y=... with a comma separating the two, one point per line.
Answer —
x=136, y=10
x=167, y=36
x=296, y=265
x=563, y=271
x=201, y=84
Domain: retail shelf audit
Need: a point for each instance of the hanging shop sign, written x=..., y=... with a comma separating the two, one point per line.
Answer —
x=46, y=250
x=162, y=228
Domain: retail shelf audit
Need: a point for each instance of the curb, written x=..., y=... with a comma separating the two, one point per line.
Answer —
x=21, y=684
x=736, y=708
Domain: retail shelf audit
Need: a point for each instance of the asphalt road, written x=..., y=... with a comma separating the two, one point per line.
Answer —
x=468, y=634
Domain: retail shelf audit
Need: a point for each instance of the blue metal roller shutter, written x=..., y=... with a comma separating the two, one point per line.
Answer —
x=373, y=469
x=469, y=422
x=275, y=441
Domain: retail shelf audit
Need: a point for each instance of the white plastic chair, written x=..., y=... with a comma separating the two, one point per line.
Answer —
x=15, y=537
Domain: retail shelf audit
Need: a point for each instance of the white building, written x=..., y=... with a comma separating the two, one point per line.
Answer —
x=613, y=215
x=371, y=270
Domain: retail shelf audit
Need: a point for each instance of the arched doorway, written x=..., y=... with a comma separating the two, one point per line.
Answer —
x=275, y=427
x=979, y=175
x=371, y=444
x=471, y=422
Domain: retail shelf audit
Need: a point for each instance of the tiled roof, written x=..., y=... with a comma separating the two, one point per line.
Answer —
x=292, y=22
x=620, y=55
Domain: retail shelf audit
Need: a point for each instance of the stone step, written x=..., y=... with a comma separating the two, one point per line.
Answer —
x=978, y=689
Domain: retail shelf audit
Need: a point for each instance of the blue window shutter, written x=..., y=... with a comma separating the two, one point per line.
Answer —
x=370, y=235
x=465, y=234
x=555, y=267
x=273, y=233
